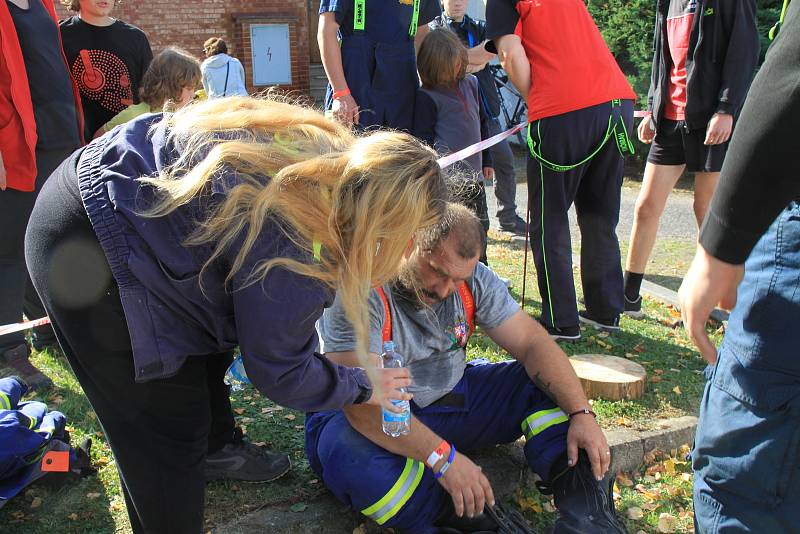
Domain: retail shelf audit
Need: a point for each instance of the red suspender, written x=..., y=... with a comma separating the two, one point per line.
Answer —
x=469, y=306
x=387, y=321
x=466, y=299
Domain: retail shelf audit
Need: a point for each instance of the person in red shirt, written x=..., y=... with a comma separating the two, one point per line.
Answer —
x=41, y=125
x=580, y=109
x=705, y=56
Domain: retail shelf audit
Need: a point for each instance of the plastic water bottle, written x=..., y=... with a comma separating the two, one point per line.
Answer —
x=236, y=376
x=395, y=424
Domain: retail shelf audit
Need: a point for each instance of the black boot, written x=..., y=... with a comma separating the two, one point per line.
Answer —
x=585, y=505
x=449, y=523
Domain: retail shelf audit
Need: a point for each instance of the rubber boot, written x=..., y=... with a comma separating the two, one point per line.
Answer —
x=585, y=505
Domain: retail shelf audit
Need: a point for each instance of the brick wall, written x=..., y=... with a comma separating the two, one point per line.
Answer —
x=189, y=23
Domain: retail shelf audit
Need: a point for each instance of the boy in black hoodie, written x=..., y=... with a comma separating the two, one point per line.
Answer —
x=705, y=55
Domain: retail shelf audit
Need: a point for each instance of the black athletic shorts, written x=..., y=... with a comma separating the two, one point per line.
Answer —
x=674, y=144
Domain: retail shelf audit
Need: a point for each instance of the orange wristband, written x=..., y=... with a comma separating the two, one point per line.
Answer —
x=441, y=451
x=339, y=94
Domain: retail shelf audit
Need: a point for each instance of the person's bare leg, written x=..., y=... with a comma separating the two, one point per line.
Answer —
x=705, y=183
x=659, y=180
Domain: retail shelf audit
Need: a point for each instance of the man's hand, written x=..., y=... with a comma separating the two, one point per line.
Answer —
x=719, y=129
x=646, y=130
x=488, y=174
x=3, y=181
x=467, y=485
x=709, y=282
x=584, y=433
x=389, y=383
x=345, y=109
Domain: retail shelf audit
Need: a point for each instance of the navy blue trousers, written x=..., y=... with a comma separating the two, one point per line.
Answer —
x=500, y=404
x=595, y=188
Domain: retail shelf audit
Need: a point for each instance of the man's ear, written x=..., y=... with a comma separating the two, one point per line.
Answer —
x=409, y=248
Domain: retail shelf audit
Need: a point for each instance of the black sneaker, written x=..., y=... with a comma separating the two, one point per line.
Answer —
x=514, y=226
x=570, y=334
x=633, y=308
x=604, y=325
x=17, y=360
x=241, y=460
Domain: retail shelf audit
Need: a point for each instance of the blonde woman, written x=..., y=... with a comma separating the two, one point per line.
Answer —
x=231, y=222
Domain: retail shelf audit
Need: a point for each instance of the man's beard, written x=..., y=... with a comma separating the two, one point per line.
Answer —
x=408, y=288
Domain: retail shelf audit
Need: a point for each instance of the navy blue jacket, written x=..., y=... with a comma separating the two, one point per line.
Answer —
x=168, y=315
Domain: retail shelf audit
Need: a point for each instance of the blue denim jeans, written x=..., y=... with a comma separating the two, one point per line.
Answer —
x=747, y=449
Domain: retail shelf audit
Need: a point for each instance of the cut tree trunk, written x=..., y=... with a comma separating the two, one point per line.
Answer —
x=609, y=377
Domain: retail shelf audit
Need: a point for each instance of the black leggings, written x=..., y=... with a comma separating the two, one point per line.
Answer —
x=159, y=431
x=16, y=292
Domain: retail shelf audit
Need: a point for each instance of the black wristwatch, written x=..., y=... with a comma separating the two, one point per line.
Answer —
x=364, y=395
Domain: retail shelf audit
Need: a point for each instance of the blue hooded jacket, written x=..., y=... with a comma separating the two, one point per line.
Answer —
x=169, y=316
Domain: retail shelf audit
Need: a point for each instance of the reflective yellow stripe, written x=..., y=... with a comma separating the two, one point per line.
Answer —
x=395, y=498
x=33, y=421
x=5, y=402
x=538, y=422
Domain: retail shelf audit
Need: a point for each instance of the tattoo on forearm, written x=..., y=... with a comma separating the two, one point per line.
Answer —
x=543, y=386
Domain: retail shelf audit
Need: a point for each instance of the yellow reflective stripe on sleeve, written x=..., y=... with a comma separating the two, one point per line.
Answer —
x=395, y=498
x=5, y=402
x=33, y=421
x=540, y=421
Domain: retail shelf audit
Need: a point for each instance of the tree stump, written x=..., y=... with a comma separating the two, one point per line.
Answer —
x=609, y=377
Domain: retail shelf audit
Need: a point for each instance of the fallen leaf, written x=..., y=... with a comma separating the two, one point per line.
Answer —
x=624, y=480
x=238, y=411
x=73, y=516
x=677, y=390
x=116, y=506
x=658, y=371
x=655, y=378
x=667, y=523
x=635, y=513
x=630, y=355
x=669, y=466
x=548, y=507
x=290, y=417
x=649, y=479
x=686, y=477
x=639, y=348
x=298, y=427
x=314, y=481
x=649, y=506
x=92, y=496
x=359, y=530
x=298, y=507
x=37, y=502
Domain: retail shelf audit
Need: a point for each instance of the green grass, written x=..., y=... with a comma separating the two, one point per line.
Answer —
x=95, y=505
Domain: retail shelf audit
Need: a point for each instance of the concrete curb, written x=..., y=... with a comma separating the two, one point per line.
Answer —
x=628, y=447
x=505, y=465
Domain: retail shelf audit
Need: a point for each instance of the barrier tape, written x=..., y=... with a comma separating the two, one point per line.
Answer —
x=19, y=327
x=448, y=160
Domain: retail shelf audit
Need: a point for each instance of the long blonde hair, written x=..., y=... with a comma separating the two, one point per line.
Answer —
x=357, y=199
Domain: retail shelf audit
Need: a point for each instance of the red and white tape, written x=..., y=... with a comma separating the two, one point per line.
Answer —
x=19, y=327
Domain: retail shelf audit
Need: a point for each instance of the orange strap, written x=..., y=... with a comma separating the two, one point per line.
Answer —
x=386, y=335
x=466, y=299
x=469, y=307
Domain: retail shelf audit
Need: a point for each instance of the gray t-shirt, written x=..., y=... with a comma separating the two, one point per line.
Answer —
x=429, y=339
